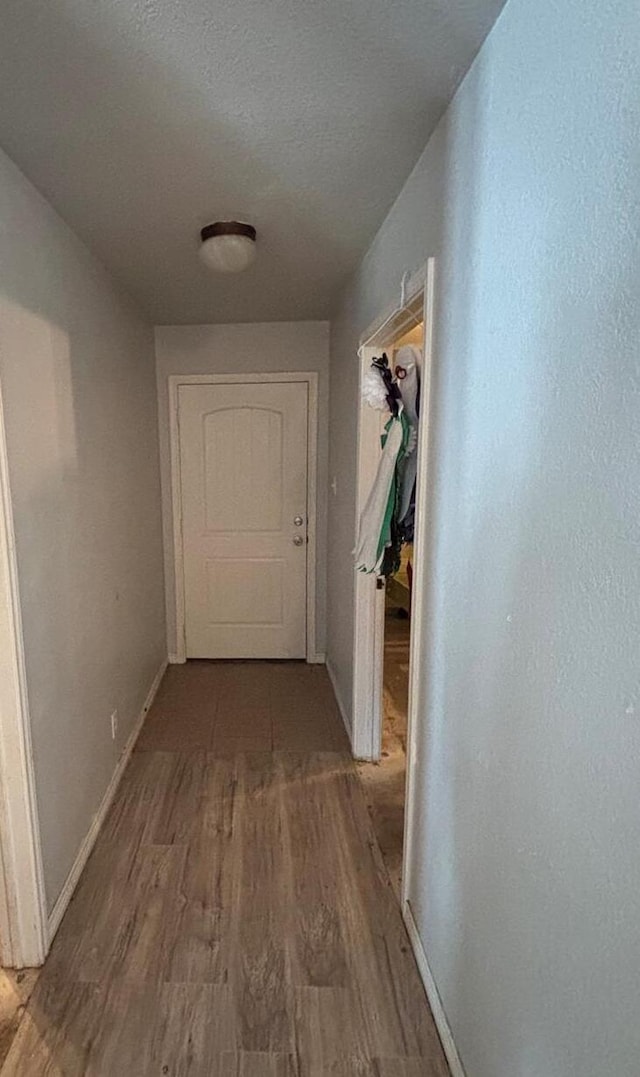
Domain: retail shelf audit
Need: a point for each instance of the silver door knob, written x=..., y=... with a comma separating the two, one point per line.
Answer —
x=298, y=540
x=298, y=521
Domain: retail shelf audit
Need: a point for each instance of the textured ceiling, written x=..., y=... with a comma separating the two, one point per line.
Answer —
x=142, y=120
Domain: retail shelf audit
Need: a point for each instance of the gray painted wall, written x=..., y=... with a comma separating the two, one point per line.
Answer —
x=270, y=347
x=526, y=880
x=78, y=383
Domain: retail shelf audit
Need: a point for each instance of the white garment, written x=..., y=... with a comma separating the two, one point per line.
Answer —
x=368, y=559
x=374, y=390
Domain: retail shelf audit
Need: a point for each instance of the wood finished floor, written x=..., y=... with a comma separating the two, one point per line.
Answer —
x=235, y=918
x=384, y=782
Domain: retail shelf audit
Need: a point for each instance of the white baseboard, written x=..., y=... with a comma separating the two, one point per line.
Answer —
x=341, y=707
x=174, y=660
x=435, y=1002
x=317, y=659
x=65, y=895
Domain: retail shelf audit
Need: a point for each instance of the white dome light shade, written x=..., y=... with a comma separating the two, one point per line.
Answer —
x=228, y=246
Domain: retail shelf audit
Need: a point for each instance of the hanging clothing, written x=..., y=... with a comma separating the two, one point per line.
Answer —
x=408, y=358
x=376, y=531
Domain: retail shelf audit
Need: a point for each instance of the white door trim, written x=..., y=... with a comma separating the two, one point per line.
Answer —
x=24, y=936
x=311, y=380
x=416, y=700
x=368, y=643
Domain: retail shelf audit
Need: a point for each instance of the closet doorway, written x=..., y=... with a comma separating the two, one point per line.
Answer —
x=389, y=611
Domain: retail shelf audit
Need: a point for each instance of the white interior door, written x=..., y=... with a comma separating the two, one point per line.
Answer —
x=243, y=466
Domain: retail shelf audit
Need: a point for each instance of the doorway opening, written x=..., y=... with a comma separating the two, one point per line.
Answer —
x=388, y=611
x=385, y=778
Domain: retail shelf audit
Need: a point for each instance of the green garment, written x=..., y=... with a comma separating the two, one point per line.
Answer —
x=389, y=543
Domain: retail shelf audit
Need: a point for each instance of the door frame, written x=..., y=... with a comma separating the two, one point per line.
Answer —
x=418, y=304
x=24, y=929
x=310, y=378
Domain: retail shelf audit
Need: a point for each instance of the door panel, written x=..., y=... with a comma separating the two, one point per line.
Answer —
x=243, y=451
x=243, y=466
x=246, y=591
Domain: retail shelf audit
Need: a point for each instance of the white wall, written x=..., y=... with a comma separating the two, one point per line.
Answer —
x=244, y=348
x=77, y=374
x=526, y=880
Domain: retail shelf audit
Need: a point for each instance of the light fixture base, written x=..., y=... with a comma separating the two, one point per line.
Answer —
x=228, y=228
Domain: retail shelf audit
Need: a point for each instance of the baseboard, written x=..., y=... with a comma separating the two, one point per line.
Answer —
x=65, y=895
x=174, y=660
x=317, y=659
x=435, y=1002
x=336, y=692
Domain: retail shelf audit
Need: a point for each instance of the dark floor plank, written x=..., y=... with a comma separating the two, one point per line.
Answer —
x=315, y=943
x=178, y=819
x=194, y=1024
x=257, y=935
x=131, y=937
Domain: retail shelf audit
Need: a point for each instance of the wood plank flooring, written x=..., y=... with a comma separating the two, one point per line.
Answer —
x=384, y=781
x=235, y=918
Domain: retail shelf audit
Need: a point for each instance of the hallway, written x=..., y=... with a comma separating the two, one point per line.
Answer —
x=235, y=918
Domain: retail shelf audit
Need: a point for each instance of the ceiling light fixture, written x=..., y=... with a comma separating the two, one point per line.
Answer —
x=228, y=246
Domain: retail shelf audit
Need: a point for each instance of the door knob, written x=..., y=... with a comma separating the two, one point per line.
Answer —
x=298, y=540
x=298, y=521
